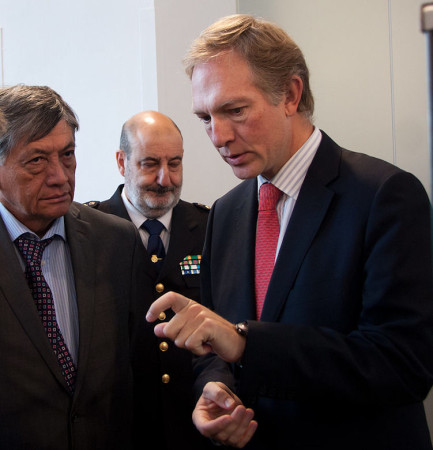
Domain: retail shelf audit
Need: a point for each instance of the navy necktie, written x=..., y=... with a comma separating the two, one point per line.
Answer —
x=155, y=247
x=32, y=251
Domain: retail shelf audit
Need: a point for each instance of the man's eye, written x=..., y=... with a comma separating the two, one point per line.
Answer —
x=205, y=119
x=237, y=111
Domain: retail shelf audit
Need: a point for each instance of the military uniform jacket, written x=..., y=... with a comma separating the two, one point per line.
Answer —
x=188, y=228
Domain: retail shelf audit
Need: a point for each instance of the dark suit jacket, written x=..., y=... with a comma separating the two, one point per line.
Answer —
x=36, y=409
x=343, y=355
x=187, y=237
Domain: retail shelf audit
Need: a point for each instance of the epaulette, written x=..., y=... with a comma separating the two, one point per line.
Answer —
x=201, y=206
x=92, y=203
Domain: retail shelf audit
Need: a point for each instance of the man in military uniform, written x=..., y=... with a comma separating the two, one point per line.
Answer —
x=150, y=160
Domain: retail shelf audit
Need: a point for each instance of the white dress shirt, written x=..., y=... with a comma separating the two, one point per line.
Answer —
x=138, y=219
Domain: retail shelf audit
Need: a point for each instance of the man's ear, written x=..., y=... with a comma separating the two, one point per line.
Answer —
x=294, y=89
x=121, y=161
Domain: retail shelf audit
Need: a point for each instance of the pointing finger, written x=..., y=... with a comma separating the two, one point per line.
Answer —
x=169, y=300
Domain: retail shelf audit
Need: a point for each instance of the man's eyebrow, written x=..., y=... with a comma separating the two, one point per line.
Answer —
x=228, y=103
x=150, y=158
x=70, y=145
x=44, y=151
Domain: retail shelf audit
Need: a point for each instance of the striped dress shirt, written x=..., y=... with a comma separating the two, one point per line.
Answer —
x=289, y=180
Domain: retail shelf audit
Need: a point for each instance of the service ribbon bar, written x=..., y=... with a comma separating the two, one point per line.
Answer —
x=190, y=265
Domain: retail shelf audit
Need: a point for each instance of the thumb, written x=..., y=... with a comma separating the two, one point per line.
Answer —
x=220, y=394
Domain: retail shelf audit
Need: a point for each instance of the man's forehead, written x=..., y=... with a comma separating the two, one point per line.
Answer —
x=158, y=153
x=49, y=143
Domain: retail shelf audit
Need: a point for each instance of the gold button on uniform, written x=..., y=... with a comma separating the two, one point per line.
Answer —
x=163, y=346
x=162, y=316
x=159, y=288
x=165, y=378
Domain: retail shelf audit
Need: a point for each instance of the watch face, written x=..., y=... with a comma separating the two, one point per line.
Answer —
x=242, y=328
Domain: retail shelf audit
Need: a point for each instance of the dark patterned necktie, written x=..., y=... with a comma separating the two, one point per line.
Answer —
x=268, y=230
x=32, y=251
x=155, y=247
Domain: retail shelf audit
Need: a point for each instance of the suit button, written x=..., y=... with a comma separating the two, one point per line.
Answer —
x=162, y=316
x=163, y=346
x=165, y=378
x=159, y=288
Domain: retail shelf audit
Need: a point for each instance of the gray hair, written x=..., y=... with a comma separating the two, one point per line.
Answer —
x=31, y=113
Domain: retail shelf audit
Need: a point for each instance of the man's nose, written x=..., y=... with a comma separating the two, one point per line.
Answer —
x=163, y=178
x=56, y=173
x=221, y=132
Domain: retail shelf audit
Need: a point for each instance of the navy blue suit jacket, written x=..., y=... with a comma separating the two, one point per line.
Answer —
x=343, y=355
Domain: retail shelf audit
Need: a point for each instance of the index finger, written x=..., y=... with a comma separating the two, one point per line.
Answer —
x=169, y=300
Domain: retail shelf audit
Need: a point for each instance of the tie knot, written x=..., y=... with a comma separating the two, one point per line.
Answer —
x=268, y=196
x=32, y=249
x=153, y=227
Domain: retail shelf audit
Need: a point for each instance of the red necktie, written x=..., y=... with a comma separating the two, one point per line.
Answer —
x=268, y=230
x=32, y=251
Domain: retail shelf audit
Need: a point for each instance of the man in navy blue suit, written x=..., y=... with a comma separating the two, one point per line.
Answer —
x=340, y=357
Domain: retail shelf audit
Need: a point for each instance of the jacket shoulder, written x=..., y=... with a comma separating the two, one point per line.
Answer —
x=202, y=207
x=93, y=204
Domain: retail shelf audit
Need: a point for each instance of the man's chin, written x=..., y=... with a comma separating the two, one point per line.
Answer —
x=154, y=210
x=57, y=210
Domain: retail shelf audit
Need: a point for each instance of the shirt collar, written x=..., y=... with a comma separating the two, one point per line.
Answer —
x=290, y=177
x=15, y=228
x=138, y=218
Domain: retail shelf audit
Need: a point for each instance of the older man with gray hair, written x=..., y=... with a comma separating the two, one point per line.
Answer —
x=71, y=297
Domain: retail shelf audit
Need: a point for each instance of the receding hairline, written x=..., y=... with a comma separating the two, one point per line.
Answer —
x=145, y=118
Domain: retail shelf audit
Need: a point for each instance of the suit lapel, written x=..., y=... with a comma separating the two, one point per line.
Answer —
x=309, y=212
x=78, y=233
x=239, y=243
x=246, y=225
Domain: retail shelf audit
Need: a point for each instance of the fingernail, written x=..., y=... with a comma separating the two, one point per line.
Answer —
x=229, y=402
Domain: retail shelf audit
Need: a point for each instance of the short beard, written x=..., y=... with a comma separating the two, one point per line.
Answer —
x=149, y=206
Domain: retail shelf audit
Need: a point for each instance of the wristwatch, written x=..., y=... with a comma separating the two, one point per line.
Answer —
x=242, y=328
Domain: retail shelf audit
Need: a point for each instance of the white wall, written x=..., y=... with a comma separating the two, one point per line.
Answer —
x=91, y=52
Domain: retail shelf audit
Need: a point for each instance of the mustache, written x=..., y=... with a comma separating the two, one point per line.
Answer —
x=161, y=189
